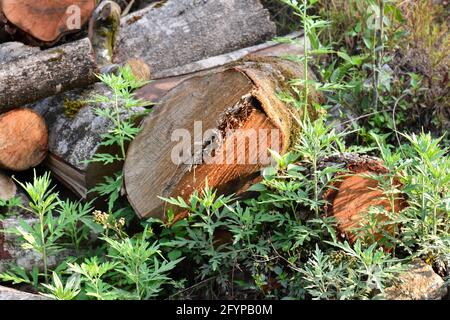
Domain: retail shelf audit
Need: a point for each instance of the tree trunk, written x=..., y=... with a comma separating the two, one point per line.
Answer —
x=23, y=139
x=74, y=139
x=174, y=154
x=177, y=33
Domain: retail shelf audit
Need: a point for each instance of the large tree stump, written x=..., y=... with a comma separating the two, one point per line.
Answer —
x=23, y=139
x=177, y=33
x=243, y=96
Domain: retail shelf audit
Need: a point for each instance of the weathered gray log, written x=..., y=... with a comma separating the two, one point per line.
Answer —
x=11, y=51
x=47, y=73
x=13, y=294
x=73, y=140
x=174, y=34
x=183, y=31
x=11, y=250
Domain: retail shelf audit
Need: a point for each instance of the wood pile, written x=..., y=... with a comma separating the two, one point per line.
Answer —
x=210, y=63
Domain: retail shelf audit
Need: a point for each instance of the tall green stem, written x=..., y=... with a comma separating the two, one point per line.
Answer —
x=44, y=245
x=306, y=61
x=316, y=188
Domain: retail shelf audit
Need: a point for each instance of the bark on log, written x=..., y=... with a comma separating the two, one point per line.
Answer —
x=243, y=96
x=75, y=135
x=73, y=140
x=190, y=30
x=23, y=139
x=352, y=195
x=11, y=251
x=45, y=74
x=175, y=34
x=13, y=294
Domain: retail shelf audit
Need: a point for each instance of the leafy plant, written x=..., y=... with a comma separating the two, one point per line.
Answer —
x=121, y=109
x=43, y=235
x=60, y=291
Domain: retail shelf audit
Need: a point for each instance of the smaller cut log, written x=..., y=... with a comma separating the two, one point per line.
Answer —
x=23, y=139
x=11, y=250
x=46, y=73
x=11, y=51
x=354, y=192
x=8, y=188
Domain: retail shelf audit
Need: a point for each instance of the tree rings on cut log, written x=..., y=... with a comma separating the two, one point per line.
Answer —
x=23, y=139
x=48, y=20
x=354, y=193
x=216, y=127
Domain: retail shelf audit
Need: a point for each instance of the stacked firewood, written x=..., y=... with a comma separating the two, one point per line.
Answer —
x=210, y=62
x=166, y=38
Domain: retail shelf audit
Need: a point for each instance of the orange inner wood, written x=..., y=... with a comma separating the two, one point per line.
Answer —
x=352, y=202
x=23, y=139
x=232, y=178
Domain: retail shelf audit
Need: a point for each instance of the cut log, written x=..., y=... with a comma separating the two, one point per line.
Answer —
x=75, y=133
x=74, y=139
x=11, y=51
x=351, y=197
x=8, y=188
x=174, y=154
x=189, y=31
x=177, y=33
x=46, y=73
x=23, y=139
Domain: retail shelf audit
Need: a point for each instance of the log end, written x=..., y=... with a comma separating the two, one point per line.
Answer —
x=23, y=139
x=354, y=193
x=8, y=188
x=140, y=69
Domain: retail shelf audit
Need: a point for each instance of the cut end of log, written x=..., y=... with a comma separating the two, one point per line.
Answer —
x=355, y=193
x=23, y=139
x=48, y=20
x=140, y=69
x=215, y=128
x=8, y=188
